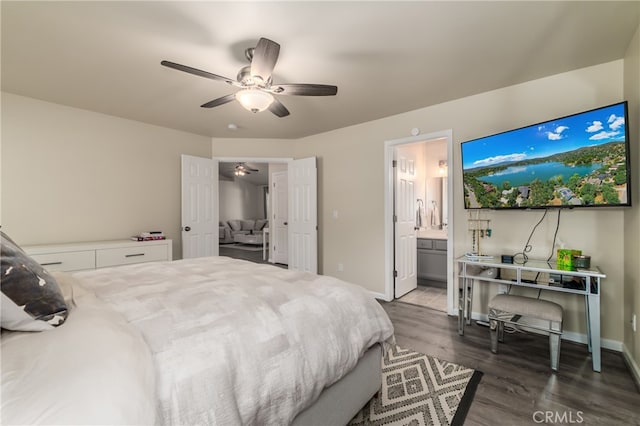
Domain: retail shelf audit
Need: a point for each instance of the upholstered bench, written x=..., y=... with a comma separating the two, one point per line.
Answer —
x=505, y=308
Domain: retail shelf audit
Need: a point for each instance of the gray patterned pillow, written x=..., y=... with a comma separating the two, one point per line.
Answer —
x=31, y=298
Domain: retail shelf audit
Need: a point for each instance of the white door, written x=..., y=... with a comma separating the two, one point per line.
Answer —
x=278, y=224
x=303, y=215
x=199, y=207
x=406, y=252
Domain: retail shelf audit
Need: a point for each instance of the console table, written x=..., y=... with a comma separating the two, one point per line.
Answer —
x=539, y=275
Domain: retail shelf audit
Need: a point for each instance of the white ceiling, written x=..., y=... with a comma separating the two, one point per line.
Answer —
x=385, y=57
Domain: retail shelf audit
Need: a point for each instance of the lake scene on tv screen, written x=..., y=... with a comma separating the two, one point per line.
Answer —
x=574, y=161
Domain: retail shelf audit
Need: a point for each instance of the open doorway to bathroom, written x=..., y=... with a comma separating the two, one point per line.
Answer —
x=429, y=207
x=431, y=226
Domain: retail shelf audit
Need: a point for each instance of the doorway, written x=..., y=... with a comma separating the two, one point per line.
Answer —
x=243, y=210
x=301, y=209
x=431, y=208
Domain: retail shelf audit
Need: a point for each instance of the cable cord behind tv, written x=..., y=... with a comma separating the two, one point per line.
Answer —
x=555, y=235
x=528, y=247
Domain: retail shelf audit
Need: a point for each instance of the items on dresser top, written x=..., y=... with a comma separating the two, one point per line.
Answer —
x=149, y=236
x=99, y=254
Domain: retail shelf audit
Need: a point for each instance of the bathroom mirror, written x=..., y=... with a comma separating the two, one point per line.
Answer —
x=434, y=218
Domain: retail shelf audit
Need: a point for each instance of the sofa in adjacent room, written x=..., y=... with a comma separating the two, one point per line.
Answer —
x=230, y=228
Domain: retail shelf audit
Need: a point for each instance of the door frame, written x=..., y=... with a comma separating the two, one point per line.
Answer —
x=389, y=243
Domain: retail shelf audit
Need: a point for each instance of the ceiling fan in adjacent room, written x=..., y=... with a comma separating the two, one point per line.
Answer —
x=242, y=169
x=254, y=80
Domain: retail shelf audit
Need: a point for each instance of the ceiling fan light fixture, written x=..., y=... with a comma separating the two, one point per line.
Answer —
x=254, y=100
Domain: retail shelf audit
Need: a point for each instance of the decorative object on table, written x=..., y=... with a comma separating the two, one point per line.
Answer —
x=479, y=229
x=565, y=258
x=149, y=236
x=581, y=261
x=420, y=389
x=506, y=258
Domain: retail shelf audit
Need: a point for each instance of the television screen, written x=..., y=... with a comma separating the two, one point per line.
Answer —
x=581, y=160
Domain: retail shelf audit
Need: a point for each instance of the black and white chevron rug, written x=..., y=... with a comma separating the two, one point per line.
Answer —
x=418, y=389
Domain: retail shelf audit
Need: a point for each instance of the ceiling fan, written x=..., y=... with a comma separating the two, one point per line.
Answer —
x=242, y=169
x=254, y=80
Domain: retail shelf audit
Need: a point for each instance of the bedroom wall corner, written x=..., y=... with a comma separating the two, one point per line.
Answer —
x=72, y=175
x=631, y=300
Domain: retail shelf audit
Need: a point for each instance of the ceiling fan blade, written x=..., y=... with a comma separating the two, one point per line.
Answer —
x=305, y=89
x=265, y=56
x=197, y=72
x=278, y=109
x=245, y=167
x=220, y=101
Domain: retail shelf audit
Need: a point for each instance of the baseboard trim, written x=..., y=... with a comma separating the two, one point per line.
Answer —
x=632, y=365
x=380, y=296
x=571, y=336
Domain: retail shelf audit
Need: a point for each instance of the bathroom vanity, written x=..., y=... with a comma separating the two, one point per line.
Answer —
x=432, y=258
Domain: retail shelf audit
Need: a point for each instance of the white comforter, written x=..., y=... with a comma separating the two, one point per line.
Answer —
x=241, y=343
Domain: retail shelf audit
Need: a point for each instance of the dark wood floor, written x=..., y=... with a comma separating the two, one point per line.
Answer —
x=518, y=387
x=251, y=256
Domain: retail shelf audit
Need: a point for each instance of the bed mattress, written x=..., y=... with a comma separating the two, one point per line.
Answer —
x=228, y=342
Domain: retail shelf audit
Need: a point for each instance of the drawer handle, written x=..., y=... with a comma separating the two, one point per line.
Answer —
x=134, y=255
x=51, y=263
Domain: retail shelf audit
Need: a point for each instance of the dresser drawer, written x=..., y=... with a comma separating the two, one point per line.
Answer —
x=129, y=255
x=67, y=261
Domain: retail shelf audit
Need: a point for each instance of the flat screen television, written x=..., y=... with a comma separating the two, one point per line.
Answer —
x=581, y=160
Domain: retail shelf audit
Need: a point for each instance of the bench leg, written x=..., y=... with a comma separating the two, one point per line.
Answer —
x=493, y=332
x=554, y=349
x=554, y=344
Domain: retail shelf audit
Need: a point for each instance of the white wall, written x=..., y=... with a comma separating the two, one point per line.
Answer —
x=240, y=199
x=75, y=175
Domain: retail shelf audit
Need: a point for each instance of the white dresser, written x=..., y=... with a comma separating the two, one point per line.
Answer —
x=99, y=254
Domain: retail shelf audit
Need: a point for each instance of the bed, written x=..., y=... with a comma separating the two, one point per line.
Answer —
x=200, y=341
